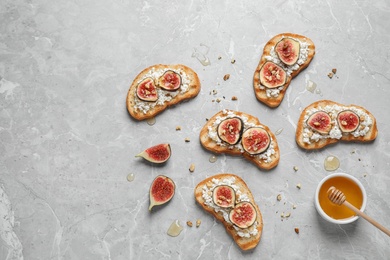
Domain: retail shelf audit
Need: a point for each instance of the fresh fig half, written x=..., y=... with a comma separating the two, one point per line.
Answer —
x=224, y=196
x=288, y=50
x=243, y=215
x=146, y=90
x=272, y=75
x=161, y=191
x=320, y=122
x=156, y=154
x=170, y=80
x=230, y=130
x=348, y=121
x=255, y=140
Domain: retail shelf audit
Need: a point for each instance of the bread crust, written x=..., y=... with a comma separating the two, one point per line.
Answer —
x=132, y=99
x=209, y=144
x=299, y=135
x=261, y=94
x=243, y=242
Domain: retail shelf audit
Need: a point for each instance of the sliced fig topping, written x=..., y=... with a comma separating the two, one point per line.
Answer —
x=288, y=50
x=272, y=75
x=161, y=191
x=224, y=196
x=230, y=130
x=170, y=80
x=255, y=140
x=243, y=215
x=146, y=90
x=348, y=121
x=156, y=154
x=320, y=122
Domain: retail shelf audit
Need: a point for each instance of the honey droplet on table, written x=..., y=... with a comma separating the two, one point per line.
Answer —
x=279, y=131
x=331, y=163
x=213, y=159
x=311, y=86
x=130, y=177
x=151, y=121
x=175, y=229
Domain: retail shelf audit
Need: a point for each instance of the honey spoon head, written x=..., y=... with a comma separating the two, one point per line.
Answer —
x=336, y=196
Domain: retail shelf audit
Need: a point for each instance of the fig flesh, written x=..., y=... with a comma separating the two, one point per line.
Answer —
x=156, y=154
x=272, y=75
x=288, y=50
x=146, y=90
x=255, y=140
x=243, y=215
x=348, y=121
x=230, y=130
x=161, y=191
x=320, y=122
x=224, y=196
x=170, y=80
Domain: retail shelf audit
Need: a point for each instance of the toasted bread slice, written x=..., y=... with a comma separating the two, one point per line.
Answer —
x=245, y=238
x=273, y=97
x=211, y=141
x=310, y=139
x=190, y=87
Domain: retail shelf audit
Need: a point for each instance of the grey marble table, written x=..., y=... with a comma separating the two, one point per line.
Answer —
x=67, y=142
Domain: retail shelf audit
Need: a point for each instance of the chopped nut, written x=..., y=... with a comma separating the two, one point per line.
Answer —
x=294, y=206
x=178, y=128
x=233, y=61
x=334, y=70
x=218, y=100
x=299, y=186
x=287, y=215
x=234, y=98
x=295, y=168
x=296, y=230
x=226, y=77
x=198, y=221
x=214, y=92
x=330, y=75
x=279, y=197
x=187, y=140
x=192, y=167
x=189, y=223
x=219, y=57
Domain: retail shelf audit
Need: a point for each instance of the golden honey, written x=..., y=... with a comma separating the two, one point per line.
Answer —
x=351, y=191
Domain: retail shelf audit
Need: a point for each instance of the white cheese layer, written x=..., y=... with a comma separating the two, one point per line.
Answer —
x=212, y=133
x=207, y=192
x=310, y=136
x=163, y=95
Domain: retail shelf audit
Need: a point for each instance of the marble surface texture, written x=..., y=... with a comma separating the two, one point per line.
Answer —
x=67, y=142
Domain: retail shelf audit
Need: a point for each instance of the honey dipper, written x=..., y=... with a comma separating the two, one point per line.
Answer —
x=337, y=197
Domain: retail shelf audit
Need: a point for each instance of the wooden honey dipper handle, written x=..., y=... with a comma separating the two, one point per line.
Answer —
x=338, y=197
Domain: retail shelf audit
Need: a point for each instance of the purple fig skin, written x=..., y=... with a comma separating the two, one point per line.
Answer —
x=161, y=191
x=348, y=121
x=170, y=80
x=320, y=122
x=146, y=90
x=231, y=136
x=255, y=140
x=243, y=215
x=272, y=75
x=288, y=50
x=156, y=154
x=224, y=196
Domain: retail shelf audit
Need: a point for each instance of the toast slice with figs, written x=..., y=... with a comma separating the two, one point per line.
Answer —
x=241, y=134
x=227, y=198
x=159, y=86
x=326, y=122
x=284, y=57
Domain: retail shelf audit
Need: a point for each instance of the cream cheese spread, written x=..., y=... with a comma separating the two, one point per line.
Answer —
x=207, y=191
x=163, y=95
x=310, y=136
x=212, y=133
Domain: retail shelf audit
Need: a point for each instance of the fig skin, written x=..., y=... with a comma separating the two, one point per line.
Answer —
x=146, y=90
x=224, y=200
x=348, y=121
x=288, y=51
x=170, y=80
x=156, y=154
x=243, y=215
x=161, y=191
x=320, y=122
x=250, y=144
x=272, y=75
x=236, y=132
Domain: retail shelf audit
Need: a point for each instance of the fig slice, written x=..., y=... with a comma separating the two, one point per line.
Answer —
x=320, y=122
x=224, y=196
x=272, y=75
x=230, y=130
x=348, y=121
x=170, y=80
x=288, y=50
x=255, y=140
x=146, y=90
x=156, y=154
x=243, y=215
x=161, y=191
